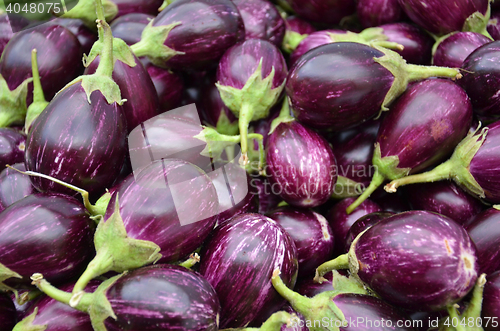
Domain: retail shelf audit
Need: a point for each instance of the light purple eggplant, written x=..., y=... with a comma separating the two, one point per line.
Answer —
x=327, y=12
x=445, y=198
x=440, y=17
x=490, y=311
x=452, y=51
x=168, y=84
x=149, y=7
x=12, y=146
x=129, y=27
x=262, y=20
x=325, y=94
x=8, y=317
x=85, y=36
x=302, y=164
x=363, y=223
x=422, y=129
x=483, y=229
x=200, y=31
x=246, y=250
x=378, y=12
x=9, y=25
x=49, y=233
x=14, y=186
x=267, y=193
x=311, y=234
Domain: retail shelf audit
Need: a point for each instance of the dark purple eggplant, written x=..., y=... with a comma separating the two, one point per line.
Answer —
x=190, y=34
x=378, y=12
x=296, y=30
x=491, y=303
x=14, y=186
x=494, y=25
x=453, y=50
x=262, y=20
x=341, y=85
x=85, y=36
x=9, y=25
x=50, y=233
x=267, y=193
x=363, y=223
x=395, y=203
x=12, y=146
x=445, y=198
x=246, y=250
x=129, y=27
x=149, y=7
x=327, y=12
x=311, y=234
x=416, y=260
x=8, y=316
x=422, y=129
x=309, y=288
x=168, y=84
x=341, y=222
x=440, y=17
x=484, y=231
x=302, y=164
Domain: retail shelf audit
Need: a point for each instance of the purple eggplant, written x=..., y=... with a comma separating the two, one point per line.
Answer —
x=341, y=222
x=328, y=12
x=445, y=198
x=440, y=17
x=363, y=223
x=491, y=302
x=394, y=203
x=262, y=20
x=14, y=186
x=416, y=260
x=9, y=25
x=191, y=33
x=494, y=25
x=8, y=317
x=246, y=250
x=168, y=84
x=12, y=146
x=311, y=234
x=325, y=94
x=422, y=129
x=267, y=193
x=129, y=27
x=296, y=30
x=309, y=288
x=85, y=36
x=378, y=12
x=149, y=7
x=484, y=231
x=302, y=164
x=452, y=51
x=50, y=233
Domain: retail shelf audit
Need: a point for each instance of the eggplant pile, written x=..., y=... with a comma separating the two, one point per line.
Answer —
x=197, y=165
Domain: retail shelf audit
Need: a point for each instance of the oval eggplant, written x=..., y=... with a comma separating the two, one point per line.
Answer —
x=490, y=310
x=129, y=27
x=12, y=146
x=246, y=250
x=8, y=315
x=452, y=51
x=328, y=12
x=363, y=223
x=14, y=186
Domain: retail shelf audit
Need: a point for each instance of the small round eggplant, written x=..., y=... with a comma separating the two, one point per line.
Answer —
x=8, y=315
x=363, y=223
x=14, y=186
x=129, y=27
x=452, y=51
x=378, y=12
x=246, y=250
x=490, y=311
x=302, y=164
x=168, y=84
x=12, y=146
x=329, y=12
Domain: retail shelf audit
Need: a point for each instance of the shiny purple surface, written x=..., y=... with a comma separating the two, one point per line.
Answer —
x=238, y=260
x=323, y=11
x=377, y=12
x=493, y=27
x=12, y=146
x=363, y=223
x=425, y=124
x=8, y=316
x=84, y=147
x=208, y=28
x=212, y=106
x=163, y=297
x=311, y=234
x=46, y=233
x=85, y=36
x=337, y=86
x=298, y=25
x=491, y=301
x=137, y=6
x=417, y=260
x=262, y=20
x=14, y=186
x=440, y=17
x=452, y=51
x=301, y=164
x=313, y=40
x=7, y=24
x=129, y=27
x=168, y=84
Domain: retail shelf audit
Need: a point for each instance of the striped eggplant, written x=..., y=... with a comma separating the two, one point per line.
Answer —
x=191, y=34
x=45, y=232
x=311, y=234
x=325, y=94
x=8, y=317
x=12, y=146
x=328, y=12
x=453, y=50
x=302, y=165
x=363, y=223
x=14, y=186
x=168, y=84
x=9, y=25
x=129, y=27
x=422, y=129
x=378, y=12
x=238, y=260
x=85, y=36
x=490, y=311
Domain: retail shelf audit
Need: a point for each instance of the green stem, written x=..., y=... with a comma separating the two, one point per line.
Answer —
x=377, y=180
x=140, y=48
x=28, y=296
x=275, y=322
x=38, y=95
x=418, y=72
x=189, y=263
x=105, y=67
x=262, y=153
x=452, y=312
x=341, y=262
x=245, y=116
x=474, y=308
x=283, y=117
x=298, y=302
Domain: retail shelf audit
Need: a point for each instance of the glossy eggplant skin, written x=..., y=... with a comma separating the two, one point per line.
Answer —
x=129, y=27
x=85, y=36
x=417, y=260
x=168, y=84
x=445, y=198
x=163, y=297
x=440, y=17
x=337, y=86
x=238, y=260
x=301, y=164
x=363, y=223
x=9, y=25
x=80, y=143
x=8, y=316
x=296, y=24
x=137, y=6
x=313, y=40
x=452, y=51
x=491, y=302
x=47, y=233
x=14, y=186
x=208, y=28
x=12, y=146
x=59, y=58
x=484, y=231
x=323, y=11
x=377, y=12
x=425, y=124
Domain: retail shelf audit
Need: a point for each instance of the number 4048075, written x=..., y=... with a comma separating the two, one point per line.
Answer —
x=471, y=322
x=33, y=8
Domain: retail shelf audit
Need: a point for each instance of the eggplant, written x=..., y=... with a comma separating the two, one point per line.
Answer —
x=445, y=198
x=262, y=20
x=416, y=260
x=491, y=303
x=301, y=164
x=44, y=232
x=9, y=25
x=267, y=193
x=14, y=186
x=311, y=234
x=168, y=84
x=363, y=223
x=296, y=30
x=422, y=129
x=191, y=34
x=309, y=288
x=483, y=229
x=327, y=12
x=85, y=36
x=248, y=249
x=129, y=27
x=325, y=94
x=12, y=146
x=125, y=7
x=453, y=50
x=8, y=316
x=378, y=12
x=493, y=25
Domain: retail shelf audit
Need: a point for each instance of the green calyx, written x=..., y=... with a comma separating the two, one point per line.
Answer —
x=6, y=273
x=291, y=40
x=27, y=323
x=152, y=44
x=115, y=251
x=13, y=103
x=369, y=36
x=165, y=4
x=216, y=142
x=39, y=103
x=121, y=52
x=478, y=22
x=345, y=188
x=85, y=10
x=225, y=126
x=284, y=116
x=273, y=323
